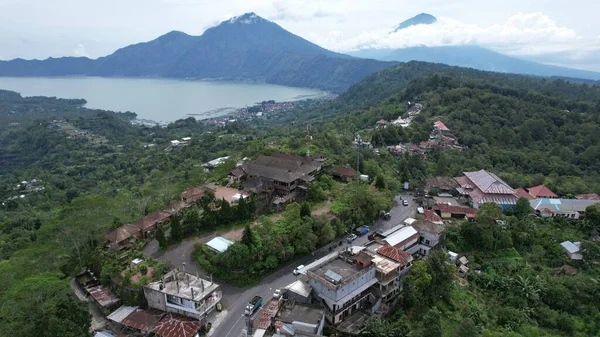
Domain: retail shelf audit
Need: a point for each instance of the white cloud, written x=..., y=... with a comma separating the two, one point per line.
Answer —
x=293, y=10
x=521, y=34
x=81, y=51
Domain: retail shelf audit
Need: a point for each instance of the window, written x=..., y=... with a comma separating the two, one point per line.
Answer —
x=426, y=242
x=173, y=300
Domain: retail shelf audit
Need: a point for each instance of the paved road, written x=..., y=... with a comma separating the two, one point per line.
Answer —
x=235, y=299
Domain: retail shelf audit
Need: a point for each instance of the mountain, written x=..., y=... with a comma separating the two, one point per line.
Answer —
x=421, y=19
x=474, y=57
x=246, y=47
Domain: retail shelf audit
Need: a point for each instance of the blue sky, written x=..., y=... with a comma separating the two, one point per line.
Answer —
x=553, y=31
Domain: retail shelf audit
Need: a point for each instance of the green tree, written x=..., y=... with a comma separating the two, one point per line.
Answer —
x=248, y=236
x=466, y=328
x=160, y=237
x=592, y=214
x=431, y=325
x=380, y=182
x=415, y=284
x=42, y=305
x=488, y=213
x=305, y=210
x=326, y=233
x=176, y=234
x=442, y=276
x=523, y=208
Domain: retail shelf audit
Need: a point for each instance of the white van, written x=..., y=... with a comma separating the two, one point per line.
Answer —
x=297, y=270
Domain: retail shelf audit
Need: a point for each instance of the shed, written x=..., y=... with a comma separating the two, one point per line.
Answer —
x=573, y=249
x=452, y=256
x=120, y=314
x=219, y=244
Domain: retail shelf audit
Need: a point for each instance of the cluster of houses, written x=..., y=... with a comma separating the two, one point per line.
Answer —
x=479, y=187
x=413, y=109
x=440, y=137
x=344, y=289
x=124, y=235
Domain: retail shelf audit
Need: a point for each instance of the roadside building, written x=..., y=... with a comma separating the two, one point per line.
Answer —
x=346, y=174
x=299, y=291
x=343, y=288
x=483, y=187
x=433, y=217
x=120, y=237
x=184, y=294
x=404, y=238
x=174, y=325
x=298, y=319
x=440, y=184
x=143, y=320
x=431, y=234
x=391, y=265
x=151, y=221
x=456, y=212
x=192, y=195
x=567, y=208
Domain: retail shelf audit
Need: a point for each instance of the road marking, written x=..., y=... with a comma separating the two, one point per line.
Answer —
x=234, y=324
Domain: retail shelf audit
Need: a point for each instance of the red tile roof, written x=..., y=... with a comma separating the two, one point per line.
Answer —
x=266, y=315
x=440, y=126
x=144, y=320
x=521, y=193
x=541, y=191
x=395, y=254
x=175, y=207
x=588, y=196
x=432, y=216
x=173, y=325
x=454, y=209
x=149, y=221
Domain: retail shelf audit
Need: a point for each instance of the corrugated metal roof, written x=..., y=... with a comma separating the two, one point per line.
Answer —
x=120, y=314
x=541, y=191
x=562, y=205
x=570, y=247
x=488, y=182
x=401, y=235
x=173, y=325
x=144, y=320
x=301, y=288
x=219, y=243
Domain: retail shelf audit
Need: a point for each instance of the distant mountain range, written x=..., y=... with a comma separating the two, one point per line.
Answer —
x=246, y=47
x=251, y=48
x=468, y=56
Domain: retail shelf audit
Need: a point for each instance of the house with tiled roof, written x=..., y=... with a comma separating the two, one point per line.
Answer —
x=433, y=217
x=482, y=187
x=541, y=191
x=344, y=173
x=522, y=193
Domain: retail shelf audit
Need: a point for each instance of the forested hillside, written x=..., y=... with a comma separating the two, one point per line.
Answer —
x=526, y=128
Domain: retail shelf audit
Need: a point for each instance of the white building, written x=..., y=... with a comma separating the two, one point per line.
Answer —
x=183, y=293
x=573, y=249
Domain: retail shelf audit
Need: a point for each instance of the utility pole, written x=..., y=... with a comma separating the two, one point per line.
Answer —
x=358, y=143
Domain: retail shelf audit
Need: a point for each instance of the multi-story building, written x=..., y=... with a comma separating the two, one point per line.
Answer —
x=183, y=293
x=343, y=287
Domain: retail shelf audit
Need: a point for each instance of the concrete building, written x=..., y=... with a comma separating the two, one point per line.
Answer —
x=342, y=286
x=567, y=208
x=184, y=294
x=573, y=249
x=298, y=319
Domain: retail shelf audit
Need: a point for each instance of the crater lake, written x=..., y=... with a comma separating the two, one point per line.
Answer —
x=158, y=99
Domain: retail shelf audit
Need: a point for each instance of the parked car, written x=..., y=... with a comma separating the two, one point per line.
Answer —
x=297, y=270
x=405, y=202
x=351, y=238
x=277, y=294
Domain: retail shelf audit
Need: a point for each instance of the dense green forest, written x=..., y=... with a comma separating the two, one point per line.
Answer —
x=94, y=170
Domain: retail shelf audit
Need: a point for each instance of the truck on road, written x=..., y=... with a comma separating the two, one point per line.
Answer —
x=253, y=305
x=362, y=230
